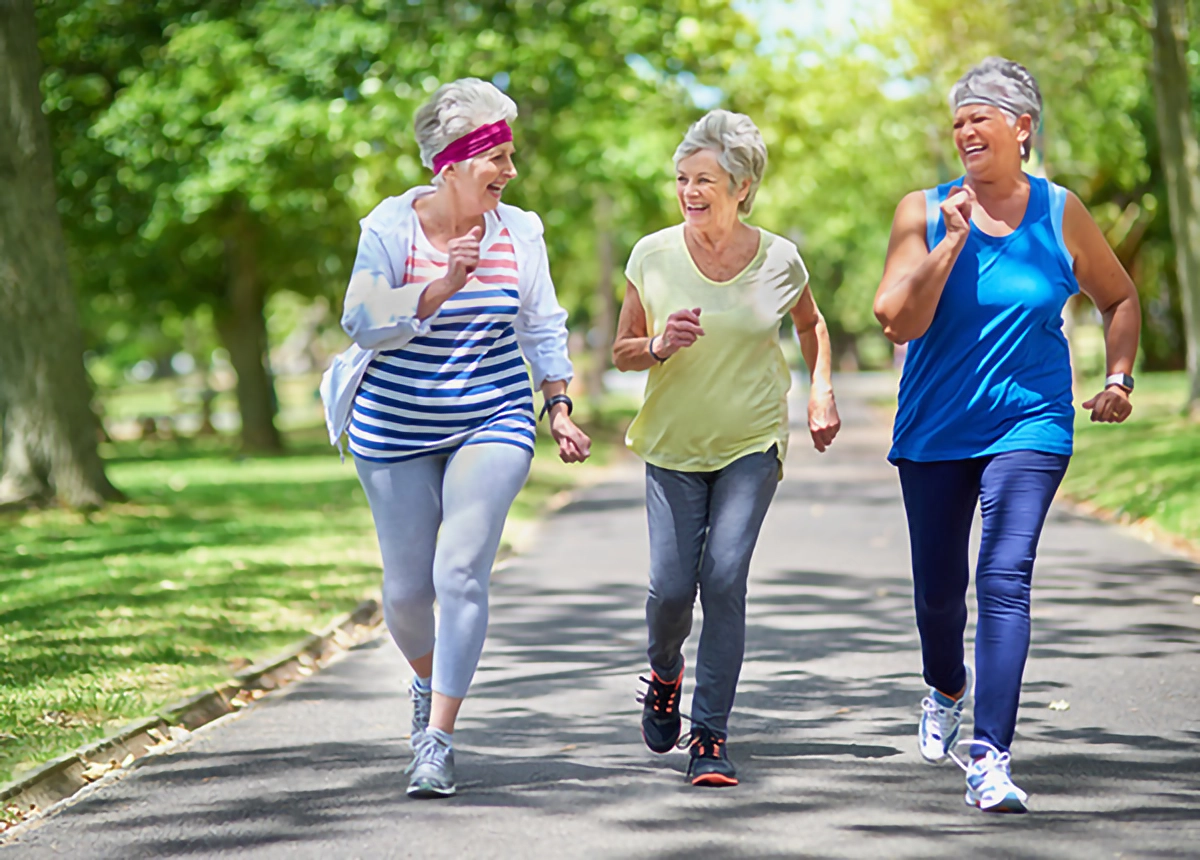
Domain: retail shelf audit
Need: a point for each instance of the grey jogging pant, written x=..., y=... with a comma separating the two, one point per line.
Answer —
x=439, y=520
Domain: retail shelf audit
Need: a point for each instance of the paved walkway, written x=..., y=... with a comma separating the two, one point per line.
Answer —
x=551, y=763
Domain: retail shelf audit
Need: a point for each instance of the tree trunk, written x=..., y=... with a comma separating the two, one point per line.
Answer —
x=605, y=320
x=50, y=431
x=1181, y=166
x=243, y=331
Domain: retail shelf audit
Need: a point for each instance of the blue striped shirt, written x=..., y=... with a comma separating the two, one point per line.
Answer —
x=462, y=383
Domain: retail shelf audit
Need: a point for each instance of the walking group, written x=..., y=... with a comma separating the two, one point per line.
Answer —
x=451, y=307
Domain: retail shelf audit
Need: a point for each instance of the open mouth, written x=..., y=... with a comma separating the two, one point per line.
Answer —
x=695, y=208
x=496, y=189
x=974, y=149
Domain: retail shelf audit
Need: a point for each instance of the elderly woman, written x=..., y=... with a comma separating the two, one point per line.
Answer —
x=977, y=273
x=449, y=297
x=703, y=306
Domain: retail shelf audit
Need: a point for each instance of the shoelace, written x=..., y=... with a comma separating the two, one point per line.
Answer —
x=655, y=693
x=941, y=712
x=428, y=749
x=706, y=744
x=422, y=705
x=997, y=760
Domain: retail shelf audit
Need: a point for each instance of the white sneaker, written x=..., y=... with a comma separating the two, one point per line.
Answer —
x=989, y=782
x=432, y=767
x=422, y=704
x=938, y=729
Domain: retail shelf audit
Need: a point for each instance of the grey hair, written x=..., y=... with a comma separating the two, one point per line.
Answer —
x=1005, y=85
x=458, y=108
x=738, y=146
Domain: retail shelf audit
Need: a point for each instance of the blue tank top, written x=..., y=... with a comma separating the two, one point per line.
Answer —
x=993, y=372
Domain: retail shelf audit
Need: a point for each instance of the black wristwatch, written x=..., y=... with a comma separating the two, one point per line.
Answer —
x=551, y=402
x=1122, y=380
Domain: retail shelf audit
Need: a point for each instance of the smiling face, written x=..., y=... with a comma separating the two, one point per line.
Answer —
x=478, y=182
x=705, y=192
x=987, y=142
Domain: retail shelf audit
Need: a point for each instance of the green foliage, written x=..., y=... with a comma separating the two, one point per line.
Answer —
x=1146, y=468
x=180, y=127
x=213, y=563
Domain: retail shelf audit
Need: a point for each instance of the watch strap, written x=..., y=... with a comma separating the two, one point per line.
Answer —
x=553, y=401
x=1122, y=380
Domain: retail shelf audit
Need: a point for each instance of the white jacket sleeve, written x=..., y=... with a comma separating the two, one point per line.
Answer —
x=541, y=326
x=380, y=311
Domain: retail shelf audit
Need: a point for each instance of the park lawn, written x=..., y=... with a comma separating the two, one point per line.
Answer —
x=214, y=563
x=1146, y=468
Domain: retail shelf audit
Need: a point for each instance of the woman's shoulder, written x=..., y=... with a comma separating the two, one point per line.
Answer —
x=661, y=240
x=393, y=212
x=779, y=251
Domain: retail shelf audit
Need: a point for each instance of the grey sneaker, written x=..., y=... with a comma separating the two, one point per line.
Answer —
x=432, y=766
x=422, y=703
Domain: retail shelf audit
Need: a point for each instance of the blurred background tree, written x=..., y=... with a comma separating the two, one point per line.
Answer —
x=212, y=157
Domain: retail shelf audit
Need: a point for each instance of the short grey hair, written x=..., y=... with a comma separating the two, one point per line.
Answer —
x=458, y=108
x=1005, y=85
x=738, y=145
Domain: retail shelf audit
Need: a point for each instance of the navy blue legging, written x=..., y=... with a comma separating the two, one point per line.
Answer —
x=1014, y=490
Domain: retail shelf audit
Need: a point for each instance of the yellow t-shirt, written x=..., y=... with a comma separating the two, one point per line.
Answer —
x=726, y=395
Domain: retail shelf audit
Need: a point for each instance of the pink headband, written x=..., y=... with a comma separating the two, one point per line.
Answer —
x=470, y=145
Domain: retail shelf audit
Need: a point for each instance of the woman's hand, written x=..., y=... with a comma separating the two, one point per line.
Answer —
x=681, y=331
x=464, y=258
x=1110, y=406
x=956, y=212
x=823, y=420
x=574, y=446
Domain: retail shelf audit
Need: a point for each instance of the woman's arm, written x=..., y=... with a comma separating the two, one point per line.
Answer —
x=1104, y=280
x=541, y=329
x=913, y=275
x=823, y=420
x=632, y=345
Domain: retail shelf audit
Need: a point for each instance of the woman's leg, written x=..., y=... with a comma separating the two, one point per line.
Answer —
x=480, y=484
x=1016, y=491
x=677, y=505
x=939, y=501
x=406, y=504
x=741, y=494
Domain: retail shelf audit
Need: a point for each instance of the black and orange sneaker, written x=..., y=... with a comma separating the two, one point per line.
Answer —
x=660, y=712
x=710, y=766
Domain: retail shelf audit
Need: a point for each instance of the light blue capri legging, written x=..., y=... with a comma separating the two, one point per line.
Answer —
x=439, y=520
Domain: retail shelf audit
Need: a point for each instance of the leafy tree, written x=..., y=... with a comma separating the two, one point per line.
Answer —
x=50, y=432
x=1181, y=166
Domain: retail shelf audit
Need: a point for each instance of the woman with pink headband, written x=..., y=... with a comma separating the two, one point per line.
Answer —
x=449, y=298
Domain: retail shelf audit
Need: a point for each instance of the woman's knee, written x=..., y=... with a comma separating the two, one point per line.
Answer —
x=402, y=598
x=673, y=599
x=1007, y=591
x=461, y=584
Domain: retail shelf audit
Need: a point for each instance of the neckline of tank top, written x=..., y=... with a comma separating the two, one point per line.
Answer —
x=976, y=230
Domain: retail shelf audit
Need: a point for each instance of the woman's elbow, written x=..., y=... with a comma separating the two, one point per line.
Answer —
x=888, y=322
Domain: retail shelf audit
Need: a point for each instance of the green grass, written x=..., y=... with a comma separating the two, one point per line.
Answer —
x=215, y=562
x=1146, y=468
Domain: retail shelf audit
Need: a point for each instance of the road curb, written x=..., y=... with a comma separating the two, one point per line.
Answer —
x=1143, y=529
x=64, y=776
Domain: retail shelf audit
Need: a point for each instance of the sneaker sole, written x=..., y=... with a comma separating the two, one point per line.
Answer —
x=426, y=792
x=1011, y=805
x=715, y=780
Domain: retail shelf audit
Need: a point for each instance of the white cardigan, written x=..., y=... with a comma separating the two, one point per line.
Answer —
x=378, y=316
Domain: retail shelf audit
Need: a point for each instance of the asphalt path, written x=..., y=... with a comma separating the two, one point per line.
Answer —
x=551, y=763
